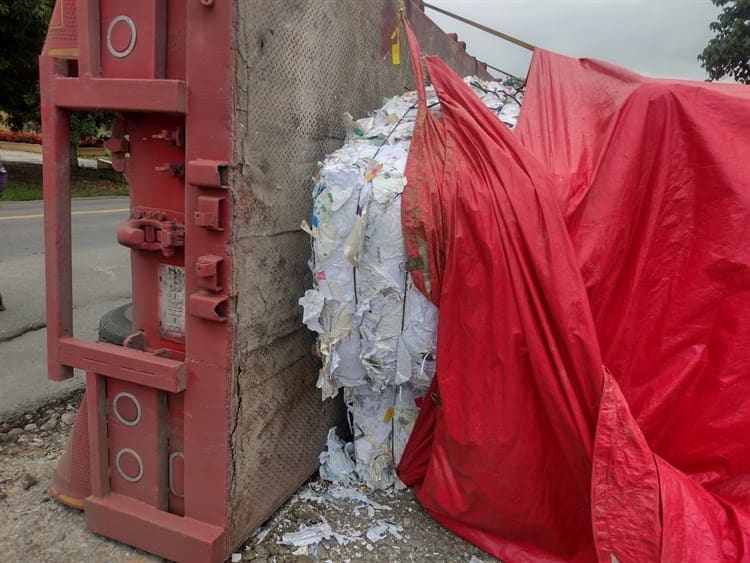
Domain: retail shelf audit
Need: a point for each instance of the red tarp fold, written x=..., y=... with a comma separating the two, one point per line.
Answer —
x=610, y=230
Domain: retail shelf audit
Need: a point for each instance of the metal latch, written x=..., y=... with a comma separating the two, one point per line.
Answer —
x=208, y=173
x=151, y=232
x=118, y=145
x=208, y=214
x=207, y=270
x=209, y=307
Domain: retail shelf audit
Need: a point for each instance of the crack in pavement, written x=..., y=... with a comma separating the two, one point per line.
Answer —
x=33, y=327
x=25, y=330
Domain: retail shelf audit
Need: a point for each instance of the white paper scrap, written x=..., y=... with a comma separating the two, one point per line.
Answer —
x=382, y=529
x=308, y=535
x=312, y=304
x=354, y=494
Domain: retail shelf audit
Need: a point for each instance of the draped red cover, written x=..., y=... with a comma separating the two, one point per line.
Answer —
x=610, y=230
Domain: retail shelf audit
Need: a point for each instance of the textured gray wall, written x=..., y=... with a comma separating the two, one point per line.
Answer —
x=300, y=64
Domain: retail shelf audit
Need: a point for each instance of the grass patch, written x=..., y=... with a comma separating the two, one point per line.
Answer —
x=25, y=182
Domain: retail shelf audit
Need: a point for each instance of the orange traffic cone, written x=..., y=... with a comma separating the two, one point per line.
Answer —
x=71, y=482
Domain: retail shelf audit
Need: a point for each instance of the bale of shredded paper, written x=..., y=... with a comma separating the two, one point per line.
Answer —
x=376, y=331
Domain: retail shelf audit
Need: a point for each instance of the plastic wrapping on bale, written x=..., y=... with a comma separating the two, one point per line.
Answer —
x=376, y=331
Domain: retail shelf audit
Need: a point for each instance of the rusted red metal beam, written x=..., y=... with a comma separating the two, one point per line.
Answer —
x=57, y=234
x=125, y=364
x=173, y=537
x=89, y=30
x=209, y=71
x=121, y=94
x=97, y=410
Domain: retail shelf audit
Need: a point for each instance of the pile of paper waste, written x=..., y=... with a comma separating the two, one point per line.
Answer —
x=376, y=332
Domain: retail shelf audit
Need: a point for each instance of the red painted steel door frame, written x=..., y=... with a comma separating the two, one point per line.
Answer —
x=154, y=62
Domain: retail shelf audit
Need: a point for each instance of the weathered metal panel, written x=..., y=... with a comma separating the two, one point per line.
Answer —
x=298, y=68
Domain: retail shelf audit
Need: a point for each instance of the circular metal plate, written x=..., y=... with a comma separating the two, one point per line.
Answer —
x=119, y=416
x=133, y=37
x=125, y=476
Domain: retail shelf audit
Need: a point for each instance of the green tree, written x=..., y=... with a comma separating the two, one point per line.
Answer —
x=86, y=125
x=23, y=27
x=728, y=54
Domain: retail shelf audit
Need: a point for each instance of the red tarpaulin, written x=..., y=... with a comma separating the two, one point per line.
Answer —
x=611, y=230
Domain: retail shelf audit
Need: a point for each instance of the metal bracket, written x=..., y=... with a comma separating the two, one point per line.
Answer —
x=208, y=173
x=118, y=146
x=136, y=341
x=208, y=307
x=176, y=137
x=208, y=215
x=207, y=270
x=176, y=170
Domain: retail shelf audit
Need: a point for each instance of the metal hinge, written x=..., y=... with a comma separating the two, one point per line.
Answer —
x=152, y=232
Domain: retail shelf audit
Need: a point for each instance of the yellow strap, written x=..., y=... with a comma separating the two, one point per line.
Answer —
x=396, y=36
x=396, y=48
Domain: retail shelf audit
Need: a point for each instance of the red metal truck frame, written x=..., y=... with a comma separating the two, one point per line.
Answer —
x=165, y=411
x=197, y=368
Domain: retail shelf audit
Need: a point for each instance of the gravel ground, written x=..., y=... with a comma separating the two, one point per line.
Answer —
x=33, y=527
x=321, y=522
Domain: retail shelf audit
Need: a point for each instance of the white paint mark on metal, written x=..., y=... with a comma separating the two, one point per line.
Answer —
x=171, y=299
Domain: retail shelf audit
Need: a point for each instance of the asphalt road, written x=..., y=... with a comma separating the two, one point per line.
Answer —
x=36, y=158
x=101, y=281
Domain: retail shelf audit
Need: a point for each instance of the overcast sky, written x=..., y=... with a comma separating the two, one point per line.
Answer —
x=653, y=37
